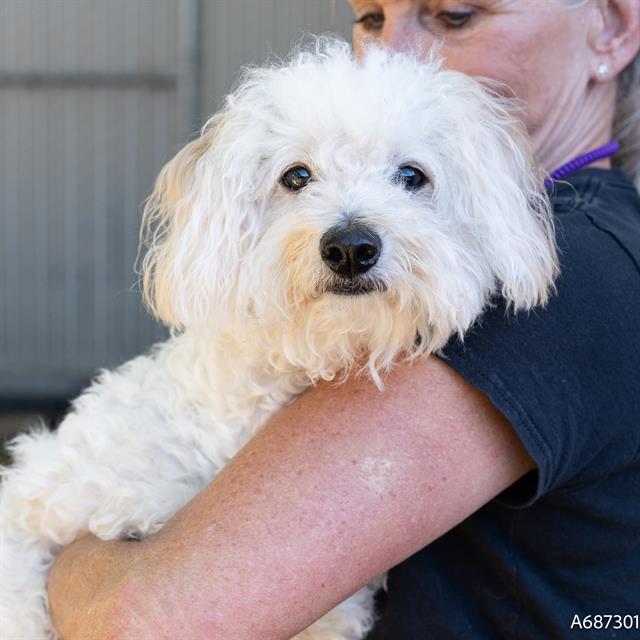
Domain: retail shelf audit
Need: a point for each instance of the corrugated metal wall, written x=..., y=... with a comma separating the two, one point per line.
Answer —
x=94, y=96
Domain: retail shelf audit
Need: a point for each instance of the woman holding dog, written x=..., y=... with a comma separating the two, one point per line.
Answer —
x=511, y=464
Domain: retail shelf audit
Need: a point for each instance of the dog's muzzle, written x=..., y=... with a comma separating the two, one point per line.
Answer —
x=350, y=250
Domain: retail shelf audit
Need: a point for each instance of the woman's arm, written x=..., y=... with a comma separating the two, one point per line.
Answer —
x=336, y=489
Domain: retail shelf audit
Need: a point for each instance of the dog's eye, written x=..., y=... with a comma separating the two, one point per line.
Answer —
x=296, y=178
x=410, y=178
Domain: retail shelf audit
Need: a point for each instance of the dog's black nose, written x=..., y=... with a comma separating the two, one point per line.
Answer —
x=350, y=249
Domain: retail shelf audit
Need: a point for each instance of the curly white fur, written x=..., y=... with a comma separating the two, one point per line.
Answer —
x=233, y=265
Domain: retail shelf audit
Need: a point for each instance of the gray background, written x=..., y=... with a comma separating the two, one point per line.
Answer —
x=95, y=95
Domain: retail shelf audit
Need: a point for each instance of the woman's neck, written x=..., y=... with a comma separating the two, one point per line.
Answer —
x=576, y=130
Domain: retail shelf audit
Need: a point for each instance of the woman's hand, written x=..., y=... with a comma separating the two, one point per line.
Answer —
x=87, y=587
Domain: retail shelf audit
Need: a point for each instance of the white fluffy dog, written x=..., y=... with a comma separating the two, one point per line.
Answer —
x=335, y=217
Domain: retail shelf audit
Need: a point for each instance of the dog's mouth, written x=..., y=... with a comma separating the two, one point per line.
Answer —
x=357, y=287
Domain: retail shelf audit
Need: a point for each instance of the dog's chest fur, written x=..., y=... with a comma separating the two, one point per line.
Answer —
x=139, y=443
x=176, y=417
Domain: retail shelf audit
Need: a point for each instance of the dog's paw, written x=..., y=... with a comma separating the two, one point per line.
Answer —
x=132, y=533
x=108, y=526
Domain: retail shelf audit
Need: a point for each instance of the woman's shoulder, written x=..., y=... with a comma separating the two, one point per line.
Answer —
x=597, y=220
x=565, y=375
x=597, y=216
x=593, y=202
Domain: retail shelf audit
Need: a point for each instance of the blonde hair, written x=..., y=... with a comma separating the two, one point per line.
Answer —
x=626, y=122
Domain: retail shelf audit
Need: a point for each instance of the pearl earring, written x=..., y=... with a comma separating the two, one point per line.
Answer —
x=602, y=71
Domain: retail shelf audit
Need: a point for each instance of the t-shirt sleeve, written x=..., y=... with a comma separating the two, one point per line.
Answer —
x=566, y=376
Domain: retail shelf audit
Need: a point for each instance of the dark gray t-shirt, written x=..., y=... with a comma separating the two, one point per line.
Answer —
x=564, y=542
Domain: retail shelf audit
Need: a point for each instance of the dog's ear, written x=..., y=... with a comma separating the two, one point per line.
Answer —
x=194, y=225
x=504, y=199
x=166, y=214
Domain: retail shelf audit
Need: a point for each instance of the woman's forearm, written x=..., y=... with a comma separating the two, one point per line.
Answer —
x=336, y=489
x=86, y=585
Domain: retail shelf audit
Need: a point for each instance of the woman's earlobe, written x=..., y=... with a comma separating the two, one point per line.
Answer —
x=614, y=37
x=602, y=72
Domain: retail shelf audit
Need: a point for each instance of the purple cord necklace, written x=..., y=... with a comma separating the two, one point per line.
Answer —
x=608, y=150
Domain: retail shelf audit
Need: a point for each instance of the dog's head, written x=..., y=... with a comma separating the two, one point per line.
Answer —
x=348, y=207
